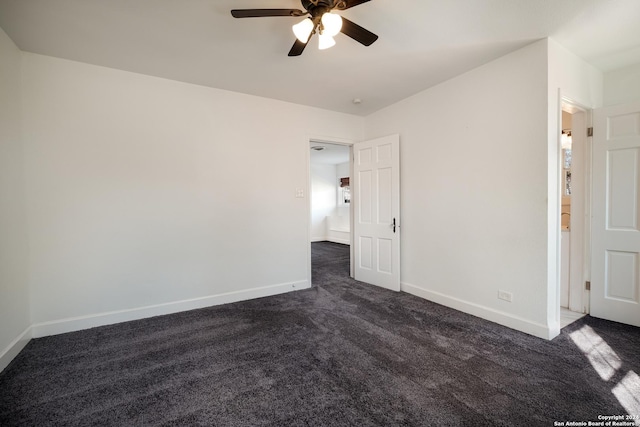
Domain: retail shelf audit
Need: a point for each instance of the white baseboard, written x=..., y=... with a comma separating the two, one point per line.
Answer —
x=331, y=239
x=101, y=319
x=338, y=240
x=12, y=350
x=500, y=317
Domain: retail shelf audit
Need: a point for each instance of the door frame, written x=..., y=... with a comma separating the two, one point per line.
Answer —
x=335, y=141
x=580, y=222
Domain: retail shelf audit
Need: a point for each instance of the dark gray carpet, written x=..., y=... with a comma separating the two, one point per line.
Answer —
x=341, y=353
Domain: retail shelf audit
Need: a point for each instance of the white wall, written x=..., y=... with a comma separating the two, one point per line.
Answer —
x=474, y=189
x=323, y=199
x=338, y=226
x=146, y=192
x=622, y=86
x=14, y=294
x=146, y=196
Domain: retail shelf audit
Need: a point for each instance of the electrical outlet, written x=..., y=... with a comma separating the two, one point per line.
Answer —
x=299, y=193
x=504, y=295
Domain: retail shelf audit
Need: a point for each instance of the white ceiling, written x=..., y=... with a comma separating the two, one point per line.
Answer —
x=332, y=154
x=422, y=42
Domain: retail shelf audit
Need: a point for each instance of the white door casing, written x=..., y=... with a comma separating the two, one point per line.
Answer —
x=615, y=278
x=580, y=215
x=377, y=211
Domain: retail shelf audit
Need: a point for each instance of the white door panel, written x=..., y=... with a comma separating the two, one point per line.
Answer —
x=615, y=290
x=377, y=211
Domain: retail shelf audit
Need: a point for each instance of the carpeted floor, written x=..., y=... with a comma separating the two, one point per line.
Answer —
x=342, y=353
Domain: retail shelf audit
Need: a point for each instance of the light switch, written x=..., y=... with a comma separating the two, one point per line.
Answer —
x=299, y=193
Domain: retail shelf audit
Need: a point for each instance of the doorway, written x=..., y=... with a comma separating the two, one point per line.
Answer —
x=574, y=212
x=330, y=202
x=374, y=209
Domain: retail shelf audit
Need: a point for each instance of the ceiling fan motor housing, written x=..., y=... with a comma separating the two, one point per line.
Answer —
x=317, y=10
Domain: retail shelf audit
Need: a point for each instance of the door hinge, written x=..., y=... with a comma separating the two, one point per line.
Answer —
x=587, y=285
x=589, y=131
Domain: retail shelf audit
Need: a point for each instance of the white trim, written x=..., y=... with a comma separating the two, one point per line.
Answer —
x=15, y=347
x=331, y=239
x=580, y=251
x=509, y=320
x=341, y=229
x=108, y=318
x=352, y=257
x=338, y=240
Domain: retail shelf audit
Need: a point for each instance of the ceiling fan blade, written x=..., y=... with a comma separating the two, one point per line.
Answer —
x=357, y=33
x=298, y=48
x=259, y=13
x=346, y=4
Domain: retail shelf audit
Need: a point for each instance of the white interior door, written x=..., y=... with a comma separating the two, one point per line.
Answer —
x=377, y=212
x=615, y=279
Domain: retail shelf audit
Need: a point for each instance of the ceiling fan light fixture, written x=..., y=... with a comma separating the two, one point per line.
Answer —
x=332, y=24
x=325, y=41
x=303, y=29
x=317, y=19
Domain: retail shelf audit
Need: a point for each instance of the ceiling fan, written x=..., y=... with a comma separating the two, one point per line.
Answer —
x=321, y=20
